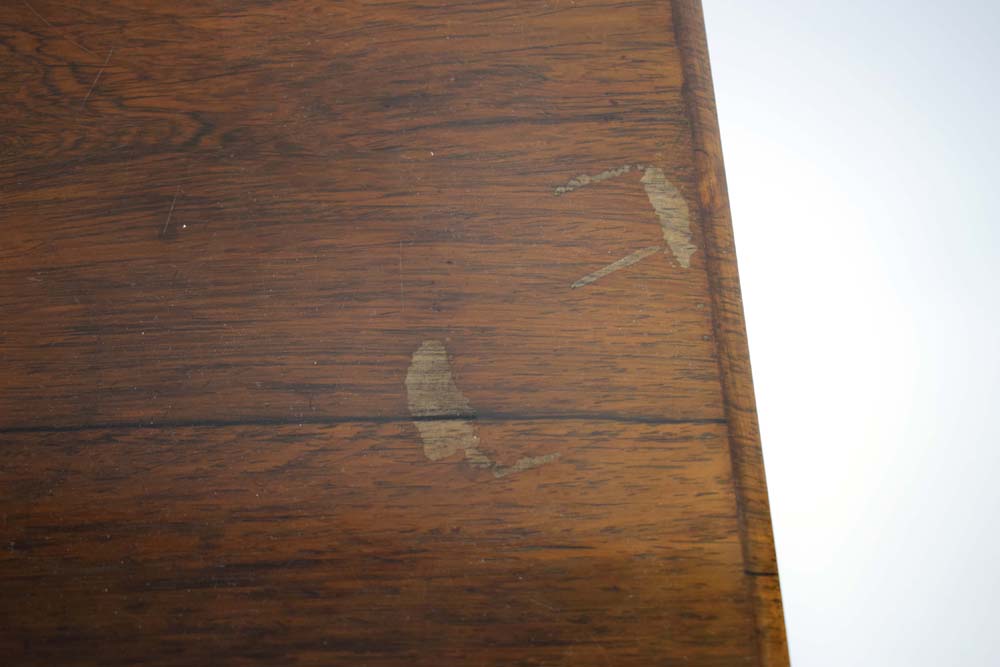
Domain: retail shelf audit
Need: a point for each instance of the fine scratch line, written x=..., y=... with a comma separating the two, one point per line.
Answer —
x=622, y=263
x=170, y=213
x=60, y=32
x=97, y=78
x=402, y=297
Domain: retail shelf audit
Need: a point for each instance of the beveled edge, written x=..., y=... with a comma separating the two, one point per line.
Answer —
x=760, y=562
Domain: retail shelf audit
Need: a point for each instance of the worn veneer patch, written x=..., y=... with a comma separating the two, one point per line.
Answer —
x=672, y=210
x=443, y=416
x=668, y=203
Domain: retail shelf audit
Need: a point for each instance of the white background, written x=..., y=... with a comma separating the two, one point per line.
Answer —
x=861, y=145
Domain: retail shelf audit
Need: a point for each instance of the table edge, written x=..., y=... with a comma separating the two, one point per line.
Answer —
x=760, y=562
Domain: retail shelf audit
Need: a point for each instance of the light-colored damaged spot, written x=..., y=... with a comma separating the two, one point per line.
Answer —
x=443, y=416
x=445, y=437
x=430, y=388
x=672, y=210
x=578, y=182
x=625, y=261
x=669, y=205
x=431, y=393
x=526, y=463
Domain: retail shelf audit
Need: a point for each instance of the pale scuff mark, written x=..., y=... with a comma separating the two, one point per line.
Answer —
x=443, y=416
x=430, y=388
x=447, y=436
x=672, y=210
x=527, y=463
x=668, y=203
x=431, y=393
x=578, y=182
x=627, y=260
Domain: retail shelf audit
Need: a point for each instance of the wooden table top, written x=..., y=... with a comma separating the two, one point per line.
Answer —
x=372, y=333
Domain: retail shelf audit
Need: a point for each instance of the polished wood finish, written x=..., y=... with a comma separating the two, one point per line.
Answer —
x=298, y=362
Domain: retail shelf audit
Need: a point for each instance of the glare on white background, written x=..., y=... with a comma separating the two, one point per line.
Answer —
x=861, y=145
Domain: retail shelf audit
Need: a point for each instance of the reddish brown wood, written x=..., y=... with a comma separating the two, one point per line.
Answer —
x=730, y=334
x=229, y=229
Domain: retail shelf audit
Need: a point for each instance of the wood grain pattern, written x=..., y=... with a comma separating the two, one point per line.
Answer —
x=229, y=229
x=730, y=333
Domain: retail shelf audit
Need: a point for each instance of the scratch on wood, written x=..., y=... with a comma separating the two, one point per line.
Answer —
x=402, y=297
x=444, y=418
x=170, y=213
x=96, y=79
x=58, y=31
x=622, y=263
x=667, y=201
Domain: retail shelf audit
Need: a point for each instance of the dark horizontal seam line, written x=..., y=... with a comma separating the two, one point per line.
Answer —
x=752, y=573
x=332, y=421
